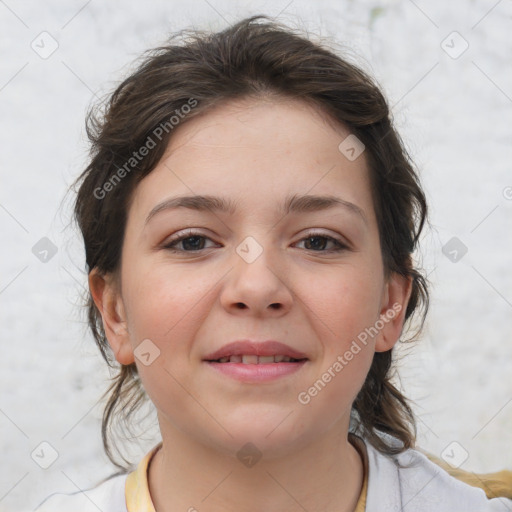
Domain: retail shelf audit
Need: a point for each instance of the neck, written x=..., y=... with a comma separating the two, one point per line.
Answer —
x=327, y=474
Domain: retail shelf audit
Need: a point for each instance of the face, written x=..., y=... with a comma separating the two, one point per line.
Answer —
x=193, y=280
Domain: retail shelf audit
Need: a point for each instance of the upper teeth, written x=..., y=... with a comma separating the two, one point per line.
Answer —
x=251, y=359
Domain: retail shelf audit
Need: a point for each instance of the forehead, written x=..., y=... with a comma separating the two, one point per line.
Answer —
x=257, y=151
x=273, y=123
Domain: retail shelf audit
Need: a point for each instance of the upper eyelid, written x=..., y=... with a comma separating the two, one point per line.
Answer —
x=197, y=232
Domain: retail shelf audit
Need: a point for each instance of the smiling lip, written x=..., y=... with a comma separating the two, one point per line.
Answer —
x=253, y=348
x=255, y=370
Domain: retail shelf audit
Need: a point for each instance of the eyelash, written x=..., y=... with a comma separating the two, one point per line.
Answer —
x=193, y=234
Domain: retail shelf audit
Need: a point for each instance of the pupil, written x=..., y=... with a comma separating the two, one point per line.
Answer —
x=196, y=238
x=322, y=243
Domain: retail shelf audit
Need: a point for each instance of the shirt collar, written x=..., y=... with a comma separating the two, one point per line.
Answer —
x=137, y=494
x=138, y=498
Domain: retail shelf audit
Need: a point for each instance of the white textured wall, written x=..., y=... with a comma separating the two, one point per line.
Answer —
x=455, y=115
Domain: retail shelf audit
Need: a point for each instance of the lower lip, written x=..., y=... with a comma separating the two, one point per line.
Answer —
x=257, y=372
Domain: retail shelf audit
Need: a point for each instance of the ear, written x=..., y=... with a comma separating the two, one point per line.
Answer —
x=109, y=302
x=395, y=297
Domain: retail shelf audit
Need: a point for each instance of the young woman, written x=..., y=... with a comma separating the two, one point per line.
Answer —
x=249, y=215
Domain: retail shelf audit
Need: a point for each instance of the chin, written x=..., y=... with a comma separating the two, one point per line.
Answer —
x=269, y=435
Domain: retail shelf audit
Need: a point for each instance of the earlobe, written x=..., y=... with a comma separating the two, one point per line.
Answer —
x=110, y=305
x=394, y=305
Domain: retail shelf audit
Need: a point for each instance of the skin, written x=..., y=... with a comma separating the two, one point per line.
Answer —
x=254, y=152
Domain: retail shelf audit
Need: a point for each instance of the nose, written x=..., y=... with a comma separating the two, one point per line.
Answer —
x=257, y=288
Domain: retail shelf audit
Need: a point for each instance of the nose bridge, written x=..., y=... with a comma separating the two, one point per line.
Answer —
x=251, y=250
x=257, y=259
x=256, y=279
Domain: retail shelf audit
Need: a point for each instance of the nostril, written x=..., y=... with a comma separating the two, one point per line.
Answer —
x=275, y=305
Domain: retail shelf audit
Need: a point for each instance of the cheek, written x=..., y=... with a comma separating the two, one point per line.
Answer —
x=162, y=302
x=346, y=300
x=164, y=307
x=345, y=305
x=344, y=308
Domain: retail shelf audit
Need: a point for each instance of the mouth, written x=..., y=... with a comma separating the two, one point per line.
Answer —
x=251, y=361
x=256, y=369
x=256, y=362
x=255, y=359
x=255, y=352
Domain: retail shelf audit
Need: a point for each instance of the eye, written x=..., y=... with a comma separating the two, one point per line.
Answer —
x=192, y=239
x=313, y=238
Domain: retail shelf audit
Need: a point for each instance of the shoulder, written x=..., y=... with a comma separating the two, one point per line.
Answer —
x=411, y=482
x=108, y=495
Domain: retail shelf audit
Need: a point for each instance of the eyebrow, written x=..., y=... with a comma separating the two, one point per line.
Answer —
x=292, y=204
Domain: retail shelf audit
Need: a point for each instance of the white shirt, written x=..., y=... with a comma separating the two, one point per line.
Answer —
x=423, y=487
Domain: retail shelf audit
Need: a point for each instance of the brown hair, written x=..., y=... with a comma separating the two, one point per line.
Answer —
x=254, y=57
